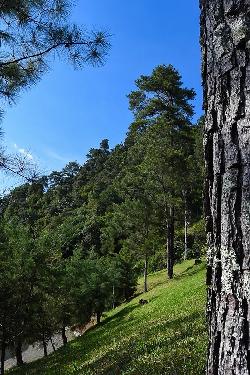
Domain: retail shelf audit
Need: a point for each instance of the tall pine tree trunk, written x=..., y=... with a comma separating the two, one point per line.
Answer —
x=146, y=272
x=64, y=337
x=3, y=351
x=185, y=228
x=19, y=356
x=98, y=317
x=45, y=349
x=113, y=296
x=52, y=344
x=170, y=243
x=225, y=31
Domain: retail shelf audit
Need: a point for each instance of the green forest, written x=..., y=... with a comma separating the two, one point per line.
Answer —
x=75, y=242
x=103, y=262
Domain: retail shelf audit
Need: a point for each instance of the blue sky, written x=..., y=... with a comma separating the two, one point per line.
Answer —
x=68, y=111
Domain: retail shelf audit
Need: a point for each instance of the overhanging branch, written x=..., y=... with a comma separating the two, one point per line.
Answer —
x=46, y=51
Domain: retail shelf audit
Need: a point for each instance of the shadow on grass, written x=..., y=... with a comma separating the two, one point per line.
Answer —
x=124, y=312
x=123, y=358
x=191, y=270
x=134, y=344
x=119, y=315
x=82, y=347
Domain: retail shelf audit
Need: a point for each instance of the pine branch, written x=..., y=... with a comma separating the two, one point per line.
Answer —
x=46, y=51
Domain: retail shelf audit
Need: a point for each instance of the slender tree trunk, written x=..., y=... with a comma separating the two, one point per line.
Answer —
x=185, y=230
x=98, y=317
x=225, y=26
x=170, y=243
x=64, y=337
x=19, y=357
x=45, y=350
x=3, y=351
x=146, y=273
x=113, y=296
x=52, y=344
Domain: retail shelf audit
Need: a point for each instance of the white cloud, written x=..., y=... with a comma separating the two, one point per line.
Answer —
x=24, y=152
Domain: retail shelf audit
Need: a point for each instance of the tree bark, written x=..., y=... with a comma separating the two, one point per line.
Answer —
x=64, y=337
x=52, y=344
x=98, y=317
x=3, y=351
x=170, y=243
x=185, y=229
x=225, y=26
x=19, y=357
x=113, y=296
x=146, y=273
x=45, y=350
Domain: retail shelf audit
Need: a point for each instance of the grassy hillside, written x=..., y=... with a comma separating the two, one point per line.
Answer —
x=165, y=336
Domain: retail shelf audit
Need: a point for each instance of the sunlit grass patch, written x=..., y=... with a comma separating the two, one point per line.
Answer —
x=165, y=336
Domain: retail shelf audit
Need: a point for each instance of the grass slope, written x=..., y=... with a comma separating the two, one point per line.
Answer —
x=166, y=336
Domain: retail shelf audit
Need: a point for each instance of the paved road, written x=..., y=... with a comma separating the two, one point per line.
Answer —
x=33, y=352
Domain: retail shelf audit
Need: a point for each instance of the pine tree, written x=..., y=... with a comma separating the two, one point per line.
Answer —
x=161, y=106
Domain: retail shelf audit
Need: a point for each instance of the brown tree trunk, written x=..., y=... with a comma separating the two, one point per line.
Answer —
x=185, y=228
x=3, y=351
x=146, y=273
x=170, y=243
x=52, y=344
x=45, y=350
x=98, y=317
x=19, y=357
x=225, y=26
x=113, y=297
x=64, y=337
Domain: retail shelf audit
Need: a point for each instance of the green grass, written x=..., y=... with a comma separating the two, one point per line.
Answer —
x=166, y=336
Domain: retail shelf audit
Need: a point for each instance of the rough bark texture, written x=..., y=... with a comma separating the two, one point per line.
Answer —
x=225, y=29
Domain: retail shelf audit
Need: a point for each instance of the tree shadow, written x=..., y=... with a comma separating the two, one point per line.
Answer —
x=191, y=270
x=118, y=315
x=119, y=361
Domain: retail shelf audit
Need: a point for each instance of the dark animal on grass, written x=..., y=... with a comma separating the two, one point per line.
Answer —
x=143, y=301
